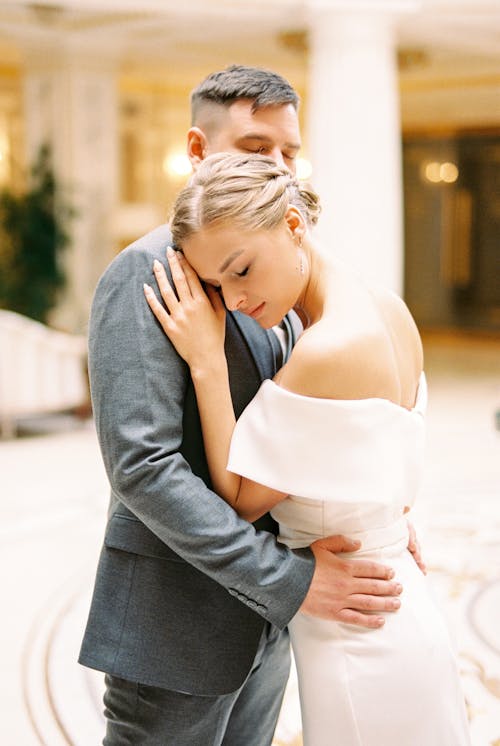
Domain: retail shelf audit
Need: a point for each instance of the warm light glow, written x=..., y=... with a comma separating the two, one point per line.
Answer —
x=303, y=168
x=432, y=172
x=177, y=165
x=449, y=172
x=439, y=172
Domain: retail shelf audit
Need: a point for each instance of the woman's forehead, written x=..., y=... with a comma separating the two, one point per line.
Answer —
x=212, y=249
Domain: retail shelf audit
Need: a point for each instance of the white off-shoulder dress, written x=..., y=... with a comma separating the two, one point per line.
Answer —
x=350, y=467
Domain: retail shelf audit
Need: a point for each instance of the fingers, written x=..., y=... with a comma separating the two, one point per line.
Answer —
x=156, y=307
x=376, y=587
x=192, y=279
x=368, y=569
x=362, y=602
x=166, y=290
x=338, y=544
x=178, y=275
x=412, y=536
x=417, y=556
x=414, y=548
x=363, y=610
x=216, y=300
x=370, y=621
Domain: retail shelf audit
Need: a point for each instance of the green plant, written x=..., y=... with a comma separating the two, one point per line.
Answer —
x=33, y=235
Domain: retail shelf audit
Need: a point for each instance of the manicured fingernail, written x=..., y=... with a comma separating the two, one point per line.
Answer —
x=390, y=574
x=147, y=288
x=170, y=251
x=380, y=621
x=156, y=264
x=399, y=588
x=356, y=543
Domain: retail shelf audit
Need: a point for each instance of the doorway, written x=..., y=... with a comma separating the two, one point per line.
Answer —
x=452, y=230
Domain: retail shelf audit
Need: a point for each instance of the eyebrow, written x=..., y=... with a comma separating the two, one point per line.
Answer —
x=264, y=138
x=229, y=259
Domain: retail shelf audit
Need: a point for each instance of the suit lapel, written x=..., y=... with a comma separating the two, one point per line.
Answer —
x=259, y=344
x=290, y=337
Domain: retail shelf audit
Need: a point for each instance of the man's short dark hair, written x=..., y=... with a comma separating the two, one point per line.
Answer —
x=262, y=87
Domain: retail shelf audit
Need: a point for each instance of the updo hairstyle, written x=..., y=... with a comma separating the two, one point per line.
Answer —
x=248, y=191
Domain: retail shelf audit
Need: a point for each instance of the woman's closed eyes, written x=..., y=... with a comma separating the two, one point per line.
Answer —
x=243, y=272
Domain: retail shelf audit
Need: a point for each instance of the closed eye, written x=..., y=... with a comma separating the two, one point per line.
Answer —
x=243, y=272
x=258, y=150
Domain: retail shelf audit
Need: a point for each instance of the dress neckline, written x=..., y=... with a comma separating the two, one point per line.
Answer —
x=418, y=407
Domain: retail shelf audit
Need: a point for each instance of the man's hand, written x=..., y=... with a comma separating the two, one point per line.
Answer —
x=345, y=590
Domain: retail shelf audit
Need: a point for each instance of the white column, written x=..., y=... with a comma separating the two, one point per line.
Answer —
x=71, y=104
x=354, y=135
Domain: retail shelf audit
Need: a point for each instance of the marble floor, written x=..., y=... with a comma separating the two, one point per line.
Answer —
x=52, y=511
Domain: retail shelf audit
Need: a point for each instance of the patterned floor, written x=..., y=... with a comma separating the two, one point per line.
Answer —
x=52, y=518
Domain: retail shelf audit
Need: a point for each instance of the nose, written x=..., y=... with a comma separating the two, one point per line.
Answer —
x=277, y=156
x=233, y=299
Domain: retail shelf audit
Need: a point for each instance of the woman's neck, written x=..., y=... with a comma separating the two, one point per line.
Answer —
x=311, y=302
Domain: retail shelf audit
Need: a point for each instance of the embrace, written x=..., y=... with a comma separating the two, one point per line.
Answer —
x=260, y=466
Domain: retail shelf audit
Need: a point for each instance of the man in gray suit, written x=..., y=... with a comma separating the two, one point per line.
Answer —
x=190, y=606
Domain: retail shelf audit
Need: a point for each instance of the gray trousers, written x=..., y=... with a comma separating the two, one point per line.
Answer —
x=139, y=715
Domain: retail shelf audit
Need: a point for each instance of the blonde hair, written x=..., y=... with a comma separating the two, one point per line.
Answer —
x=249, y=191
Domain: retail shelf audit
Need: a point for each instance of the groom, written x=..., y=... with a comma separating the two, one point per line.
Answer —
x=191, y=603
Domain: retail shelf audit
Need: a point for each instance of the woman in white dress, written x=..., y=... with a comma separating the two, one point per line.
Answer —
x=332, y=446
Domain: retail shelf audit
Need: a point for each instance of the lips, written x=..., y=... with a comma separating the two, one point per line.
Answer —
x=256, y=311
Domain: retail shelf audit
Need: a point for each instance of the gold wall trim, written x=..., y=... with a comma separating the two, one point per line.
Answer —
x=10, y=71
x=438, y=84
x=424, y=131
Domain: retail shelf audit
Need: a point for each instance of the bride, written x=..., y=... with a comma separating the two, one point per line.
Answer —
x=333, y=445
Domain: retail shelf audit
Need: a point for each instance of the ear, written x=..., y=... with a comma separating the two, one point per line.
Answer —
x=196, y=146
x=295, y=222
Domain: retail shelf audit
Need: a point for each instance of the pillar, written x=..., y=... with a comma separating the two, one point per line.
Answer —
x=71, y=103
x=354, y=134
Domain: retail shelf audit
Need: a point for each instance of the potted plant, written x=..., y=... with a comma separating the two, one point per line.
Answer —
x=33, y=236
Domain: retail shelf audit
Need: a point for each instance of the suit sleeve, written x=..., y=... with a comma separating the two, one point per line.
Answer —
x=138, y=385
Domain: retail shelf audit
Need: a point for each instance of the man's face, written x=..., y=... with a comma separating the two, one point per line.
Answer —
x=272, y=131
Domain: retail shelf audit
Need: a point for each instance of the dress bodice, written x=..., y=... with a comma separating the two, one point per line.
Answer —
x=348, y=466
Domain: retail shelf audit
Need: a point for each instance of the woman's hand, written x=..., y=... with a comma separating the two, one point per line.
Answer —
x=194, y=320
x=413, y=543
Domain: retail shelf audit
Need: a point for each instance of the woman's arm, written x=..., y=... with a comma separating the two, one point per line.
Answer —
x=195, y=323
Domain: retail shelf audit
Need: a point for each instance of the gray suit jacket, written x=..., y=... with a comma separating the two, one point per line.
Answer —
x=183, y=584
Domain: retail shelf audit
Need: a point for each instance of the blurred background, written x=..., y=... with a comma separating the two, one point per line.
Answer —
x=400, y=117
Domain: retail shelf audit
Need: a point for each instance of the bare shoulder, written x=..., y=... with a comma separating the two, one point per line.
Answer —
x=401, y=324
x=371, y=351
x=394, y=305
x=333, y=363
